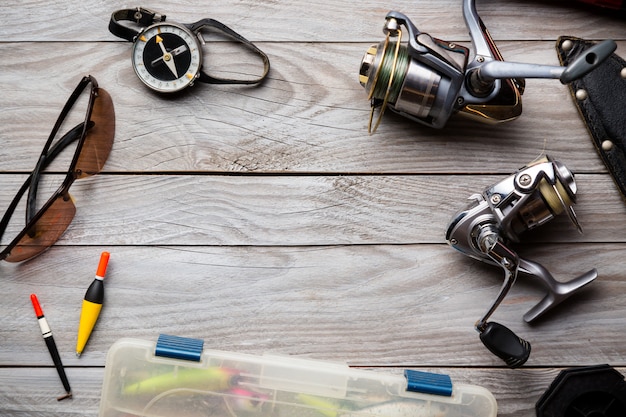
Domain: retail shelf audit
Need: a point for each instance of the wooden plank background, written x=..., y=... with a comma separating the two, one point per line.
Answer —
x=267, y=220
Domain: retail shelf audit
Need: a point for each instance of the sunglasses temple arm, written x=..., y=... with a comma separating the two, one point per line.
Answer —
x=64, y=112
x=9, y=213
x=44, y=161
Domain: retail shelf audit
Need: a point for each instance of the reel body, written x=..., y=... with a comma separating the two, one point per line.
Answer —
x=419, y=80
x=494, y=219
x=427, y=79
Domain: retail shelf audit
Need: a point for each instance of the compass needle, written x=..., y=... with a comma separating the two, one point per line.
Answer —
x=168, y=58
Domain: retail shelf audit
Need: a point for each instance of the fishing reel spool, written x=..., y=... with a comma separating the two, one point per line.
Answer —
x=529, y=198
x=427, y=79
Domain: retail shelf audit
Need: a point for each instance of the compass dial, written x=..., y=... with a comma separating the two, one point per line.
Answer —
x=166, y=57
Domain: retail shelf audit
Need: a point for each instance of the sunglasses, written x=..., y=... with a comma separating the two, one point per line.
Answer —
x=95, y=140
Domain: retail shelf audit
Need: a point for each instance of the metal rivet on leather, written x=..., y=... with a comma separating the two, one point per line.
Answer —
x=567, y=45
x=607, y=145
x=623, y=73
x=581, y=94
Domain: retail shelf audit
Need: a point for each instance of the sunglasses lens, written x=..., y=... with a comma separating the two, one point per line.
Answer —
x=99, y=139
x=46, y=231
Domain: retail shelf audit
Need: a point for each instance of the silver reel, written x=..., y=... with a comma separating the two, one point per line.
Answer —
x=428, y=79
x=523, y=201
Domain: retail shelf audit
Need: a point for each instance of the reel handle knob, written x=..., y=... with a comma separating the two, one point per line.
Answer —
x=588, y=60
x=505, y=344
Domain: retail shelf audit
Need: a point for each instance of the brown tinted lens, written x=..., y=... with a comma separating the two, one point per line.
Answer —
x=46, y=231
x=99, y=139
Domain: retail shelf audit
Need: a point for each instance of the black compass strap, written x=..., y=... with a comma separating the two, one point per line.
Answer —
x=212, y=23
x=140, y=16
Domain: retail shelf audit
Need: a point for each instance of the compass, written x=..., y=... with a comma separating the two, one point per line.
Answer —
x=167, y=57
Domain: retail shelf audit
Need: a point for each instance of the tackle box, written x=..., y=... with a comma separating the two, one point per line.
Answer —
x=177, y=377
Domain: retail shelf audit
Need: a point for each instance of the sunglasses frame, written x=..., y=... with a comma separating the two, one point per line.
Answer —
x=48, y=154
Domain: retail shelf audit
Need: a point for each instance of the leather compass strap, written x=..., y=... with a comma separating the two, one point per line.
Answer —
x=211, y=23
x=144, y=17
x=600, y=97
x=140, y=16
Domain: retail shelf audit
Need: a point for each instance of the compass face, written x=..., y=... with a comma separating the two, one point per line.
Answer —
x=166, y=57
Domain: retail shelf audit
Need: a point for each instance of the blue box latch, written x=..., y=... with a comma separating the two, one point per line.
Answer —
x=428, y=383
x=177, y=347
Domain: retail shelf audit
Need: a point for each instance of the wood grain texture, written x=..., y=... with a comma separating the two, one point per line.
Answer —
x=367, y=305
x=301, y=210
x=324, y=20
x=310, y=116
x=266, y=219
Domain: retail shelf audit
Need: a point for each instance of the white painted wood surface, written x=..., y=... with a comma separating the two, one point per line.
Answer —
x=267, y=220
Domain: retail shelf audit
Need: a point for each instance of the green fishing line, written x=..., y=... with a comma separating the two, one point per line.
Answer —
x=380, y=89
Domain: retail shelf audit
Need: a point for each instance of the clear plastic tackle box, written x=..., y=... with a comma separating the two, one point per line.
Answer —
x=177, y=377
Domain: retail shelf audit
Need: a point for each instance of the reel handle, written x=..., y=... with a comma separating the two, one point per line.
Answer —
x=484, y=75
x=505, y=344
x=588, y=60
x=501, y=341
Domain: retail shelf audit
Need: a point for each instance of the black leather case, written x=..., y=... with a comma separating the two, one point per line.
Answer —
x=601, y=100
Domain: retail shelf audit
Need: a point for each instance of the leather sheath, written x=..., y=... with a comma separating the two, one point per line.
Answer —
x=600, y=97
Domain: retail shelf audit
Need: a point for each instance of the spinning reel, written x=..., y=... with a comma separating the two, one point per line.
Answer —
x=428, y=79
x=526, y=199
